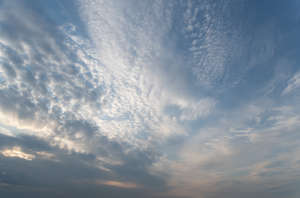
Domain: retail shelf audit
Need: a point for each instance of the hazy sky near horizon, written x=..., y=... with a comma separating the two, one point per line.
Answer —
x=149, y=98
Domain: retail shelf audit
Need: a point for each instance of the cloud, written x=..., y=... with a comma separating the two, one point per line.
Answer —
x=45, y=155
x=5, y=131
x=293, y=84
x=55, y=93
x=256, y=147
x=118, y=184
x=195, y=110
x=18, y=153
x=137, y=99
x=55, y=171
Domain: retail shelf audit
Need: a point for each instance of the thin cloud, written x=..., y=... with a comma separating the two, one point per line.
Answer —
x=118, y=184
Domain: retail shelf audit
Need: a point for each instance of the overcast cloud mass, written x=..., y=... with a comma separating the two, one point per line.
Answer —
x=149, y=98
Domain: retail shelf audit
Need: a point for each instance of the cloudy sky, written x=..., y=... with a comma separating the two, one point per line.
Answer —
x=149, y=98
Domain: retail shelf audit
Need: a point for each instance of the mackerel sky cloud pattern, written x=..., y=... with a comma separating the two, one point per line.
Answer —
x=187, y=99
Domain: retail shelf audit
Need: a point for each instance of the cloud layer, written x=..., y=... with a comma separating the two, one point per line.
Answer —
x=158, y=99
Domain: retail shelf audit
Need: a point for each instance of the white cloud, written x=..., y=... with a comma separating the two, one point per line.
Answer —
x=233, y=148
x=109, y=96
x=117, y=184
x=131, y=68
x=46, y=155
x=6, y=132
x=17, y=153
x=206, y=26
x=191, y=110
x=293, y=84
x=68, y=90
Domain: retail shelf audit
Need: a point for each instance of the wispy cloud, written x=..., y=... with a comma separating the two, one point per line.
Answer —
x=118, y=184
x=293, y=84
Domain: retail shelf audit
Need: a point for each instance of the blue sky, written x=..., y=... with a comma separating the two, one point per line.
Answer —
x=187, y=99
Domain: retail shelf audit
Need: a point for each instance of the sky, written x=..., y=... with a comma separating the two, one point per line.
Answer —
x=152, y=98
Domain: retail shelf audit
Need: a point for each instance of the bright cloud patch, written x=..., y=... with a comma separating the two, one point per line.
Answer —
x=18, y=153
x=117, y=184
